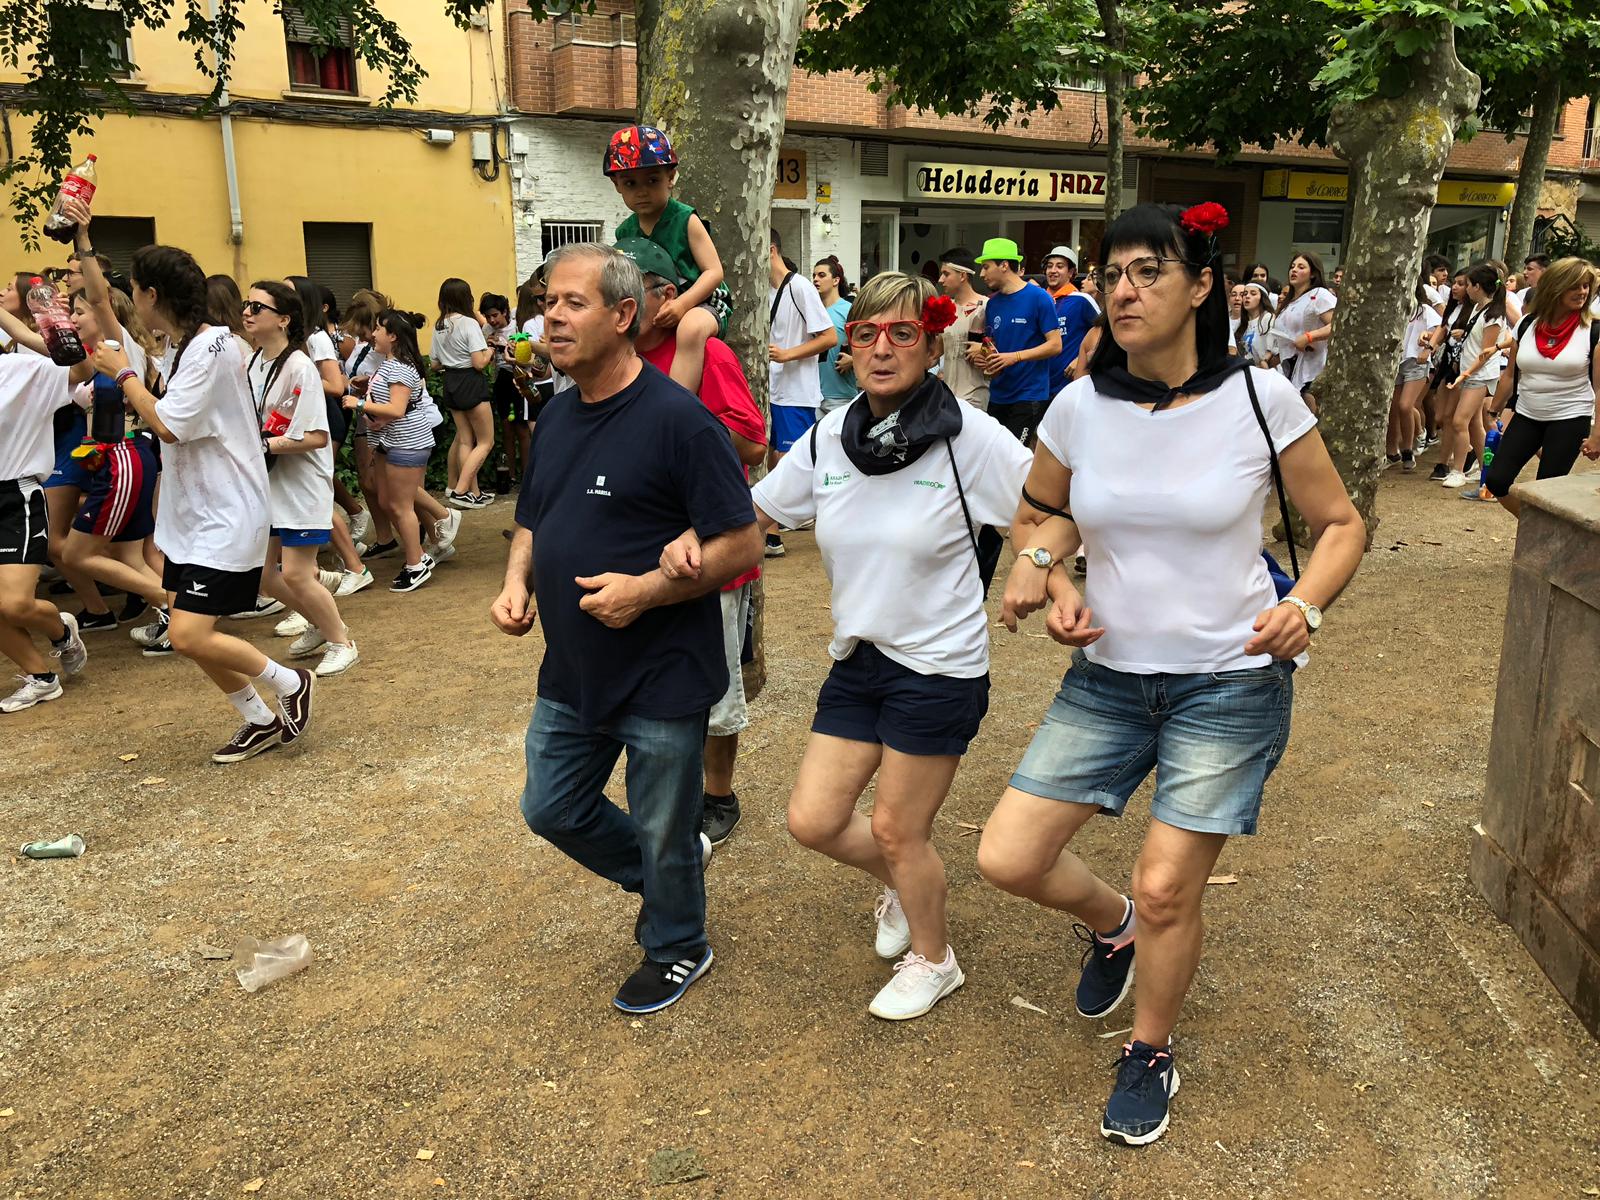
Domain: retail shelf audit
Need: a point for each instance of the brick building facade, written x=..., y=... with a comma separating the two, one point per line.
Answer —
x=884, y=187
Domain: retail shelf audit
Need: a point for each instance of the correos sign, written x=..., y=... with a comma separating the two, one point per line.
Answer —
x=986, y=184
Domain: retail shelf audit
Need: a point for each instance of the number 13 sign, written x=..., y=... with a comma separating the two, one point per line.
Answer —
x=791, y=183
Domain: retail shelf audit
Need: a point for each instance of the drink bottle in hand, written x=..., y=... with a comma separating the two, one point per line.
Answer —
x=55, y=326
x=78, y=185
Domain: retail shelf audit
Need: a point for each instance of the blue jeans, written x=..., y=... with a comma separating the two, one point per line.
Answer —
x=652, y=849
x=1212, y=740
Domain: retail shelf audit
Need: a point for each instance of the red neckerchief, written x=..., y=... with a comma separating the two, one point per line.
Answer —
x=1552, y=339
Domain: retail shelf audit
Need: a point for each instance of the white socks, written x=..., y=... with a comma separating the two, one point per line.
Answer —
x=278, y=679
x=1123, y=934
x=251, y=706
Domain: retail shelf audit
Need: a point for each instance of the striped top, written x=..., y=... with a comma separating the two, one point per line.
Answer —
x=414, y=430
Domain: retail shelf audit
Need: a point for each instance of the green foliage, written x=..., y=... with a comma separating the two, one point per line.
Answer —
x=1518, y=54
x=1565, y=240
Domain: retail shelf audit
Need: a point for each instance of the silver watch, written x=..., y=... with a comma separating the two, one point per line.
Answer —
x=1310, y=612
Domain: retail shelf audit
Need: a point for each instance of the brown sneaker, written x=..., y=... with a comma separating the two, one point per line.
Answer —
x=296, y=707
x=250, y=741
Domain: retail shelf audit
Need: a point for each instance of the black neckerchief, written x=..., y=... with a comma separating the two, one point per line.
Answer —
x=1120, y=384
x=882, y=445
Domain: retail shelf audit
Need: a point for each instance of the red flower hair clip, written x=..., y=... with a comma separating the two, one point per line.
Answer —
x=1209, y=218
x=938, y=314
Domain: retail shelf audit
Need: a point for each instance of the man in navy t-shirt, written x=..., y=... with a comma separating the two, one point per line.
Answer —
x=619, y=466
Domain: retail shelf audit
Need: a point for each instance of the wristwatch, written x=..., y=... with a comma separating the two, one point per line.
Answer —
x=1310, y=612
x=1040, y=557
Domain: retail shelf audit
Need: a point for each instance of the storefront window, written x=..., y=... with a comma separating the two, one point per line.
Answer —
x=879, y=241
x=1466, y=242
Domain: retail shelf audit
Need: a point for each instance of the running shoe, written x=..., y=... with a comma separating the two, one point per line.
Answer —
x=265, y=607
x=156, y=631
x=250, y=741
x=70, y=650
x=721, y=815
x=1147, y=1079
x=774, y=547
x=1107, y=974
x=1438, y=473
x=1421, y=445
x=1474, y=491
x=296, y=706
x=440, y=554
x=340, y=657
x=446, y=528
x=89, y=622
x=330, y=580
x=132, y=610
x=894, y=935
x=1389, y=460
x=291, y=626
x=916, y=987
x=1408, y=462
x=360, y=526
x=1454, y=480
x=308, y=643
x=411, y=578
x=354, y=581
x=654, y=986
x=381, y=550
x=33, y=691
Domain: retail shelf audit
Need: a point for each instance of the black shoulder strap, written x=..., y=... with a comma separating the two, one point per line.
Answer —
x=966, y=513
x=1277, y=472
x=366, y=349
x=778, y=299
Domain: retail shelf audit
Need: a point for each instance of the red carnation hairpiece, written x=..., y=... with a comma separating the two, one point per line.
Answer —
x=938, y=314
x=1208, y=218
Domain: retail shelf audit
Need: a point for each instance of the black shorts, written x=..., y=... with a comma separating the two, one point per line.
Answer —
x=24, y=526
x=210, y=592
x=871, y=698
x=1022, y=418
x=465, y=388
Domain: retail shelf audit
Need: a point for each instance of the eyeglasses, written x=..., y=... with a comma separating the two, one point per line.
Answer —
x=862, y=334
x=1141, y=272
x=255, y=308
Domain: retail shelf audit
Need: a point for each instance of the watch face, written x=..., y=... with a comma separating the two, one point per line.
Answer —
x=1313, y=618
x=1041, y=558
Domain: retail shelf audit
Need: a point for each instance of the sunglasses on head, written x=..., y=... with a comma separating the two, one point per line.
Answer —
x=255, y=308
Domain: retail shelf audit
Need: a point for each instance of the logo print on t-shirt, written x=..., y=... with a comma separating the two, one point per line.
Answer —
x=599, y=488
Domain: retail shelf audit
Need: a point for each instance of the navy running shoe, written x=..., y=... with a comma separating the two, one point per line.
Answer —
x=1107, y=974
x=1147, y=1079
x=656, y=985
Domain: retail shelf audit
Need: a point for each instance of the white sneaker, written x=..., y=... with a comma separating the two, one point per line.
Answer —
x=73, y=654
x=916, y=987
x=360, y=526
x=445, y=530
x=291, y=626
x=330, y=580
x=352, y=582
x=33, y=691
x=149, y=635
x=1475, y=475
x=894, y=935
x=307, y=644
x=705, y=852
x=1454, y=480
x=341, y=656
x=440, y=553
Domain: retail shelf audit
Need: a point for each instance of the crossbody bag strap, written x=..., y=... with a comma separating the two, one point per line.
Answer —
x=961, y=494
x=1277, y=472
x=778, y=299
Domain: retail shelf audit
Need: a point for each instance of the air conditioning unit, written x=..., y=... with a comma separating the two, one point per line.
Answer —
x=439, y=137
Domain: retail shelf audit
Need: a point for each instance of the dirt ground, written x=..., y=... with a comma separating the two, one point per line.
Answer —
x=1361, y=1025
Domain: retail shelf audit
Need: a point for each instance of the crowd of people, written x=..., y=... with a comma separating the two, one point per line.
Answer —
x=911, y=422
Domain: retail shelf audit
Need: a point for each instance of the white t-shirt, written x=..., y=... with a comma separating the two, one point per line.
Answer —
x=364, y=360
x=1438, y=293
x=1302, y=316
x=458, y=341
x=1422, y=321
x=800, y=317
x=1559, y=388
x=319, y=347
x=1256, y=345
x=895, y=547
x=1472, y=344
x=31, y=389
x=213, y=510
x=300, y=486
x=1176, y=583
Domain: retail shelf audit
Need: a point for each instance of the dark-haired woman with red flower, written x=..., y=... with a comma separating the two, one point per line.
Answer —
x=898, y=481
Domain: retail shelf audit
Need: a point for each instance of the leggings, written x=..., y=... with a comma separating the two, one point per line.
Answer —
x=1525, y=437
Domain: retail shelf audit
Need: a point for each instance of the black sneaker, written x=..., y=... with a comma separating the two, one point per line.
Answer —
x=722, y=814
x=655, y=985
x=1440, y=473
x=1107, y=974
x=382, y=549
x=250, y=741
x=1147, y=1079
x=296, y=707
x=132, y=610
x=1472, y=460
x=89, y=622
x=411, y=578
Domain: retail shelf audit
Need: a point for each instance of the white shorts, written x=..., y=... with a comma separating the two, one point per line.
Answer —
x=730, y=715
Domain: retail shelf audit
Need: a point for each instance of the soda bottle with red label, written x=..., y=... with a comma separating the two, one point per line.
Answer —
x=78, y=185
x=55, y=326
x=281, y=415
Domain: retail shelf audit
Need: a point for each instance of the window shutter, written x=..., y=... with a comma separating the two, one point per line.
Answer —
x=339, y=257
x=297, y=29
x=118, y=237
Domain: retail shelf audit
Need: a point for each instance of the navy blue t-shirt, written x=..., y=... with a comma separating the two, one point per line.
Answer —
x=606, y=487
x=1020, y=321
x=1076, y=315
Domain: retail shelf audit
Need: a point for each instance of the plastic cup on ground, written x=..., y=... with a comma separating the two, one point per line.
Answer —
x=258, y=963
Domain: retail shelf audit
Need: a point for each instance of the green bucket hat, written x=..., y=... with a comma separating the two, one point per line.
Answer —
x=1000, y=250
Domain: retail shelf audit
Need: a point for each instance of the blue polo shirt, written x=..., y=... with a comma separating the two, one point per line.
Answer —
x=1020, y=321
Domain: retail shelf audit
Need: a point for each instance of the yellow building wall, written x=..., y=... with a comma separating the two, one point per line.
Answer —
x=431, y=215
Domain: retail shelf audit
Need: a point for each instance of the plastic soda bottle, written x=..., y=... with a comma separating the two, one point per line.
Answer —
x=55, y=326
x=282, y=415
x=78, y=185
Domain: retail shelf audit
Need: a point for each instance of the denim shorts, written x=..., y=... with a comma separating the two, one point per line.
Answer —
x=1412, y=370
x=397, y=457
x=1212, y=739
x=871, y=698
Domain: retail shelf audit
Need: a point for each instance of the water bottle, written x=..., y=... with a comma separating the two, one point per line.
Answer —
x=282, y=415
x=1491, y=443
x=55, y=326
x=108, y=423
x=260, y=963
x=78, y=185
